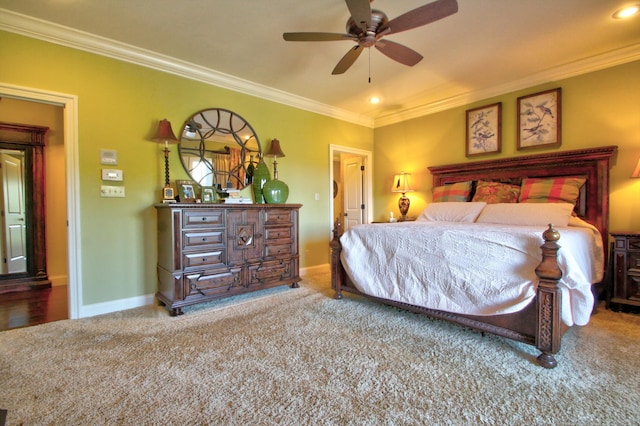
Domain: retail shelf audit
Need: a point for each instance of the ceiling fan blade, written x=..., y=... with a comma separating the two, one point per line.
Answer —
x=422, y=15
x=347, y=60
x=316, y=37
x=360, y=11
x=399, y=53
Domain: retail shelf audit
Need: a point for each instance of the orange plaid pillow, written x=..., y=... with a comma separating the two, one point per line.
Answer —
x=452, y=192
x=551, y=190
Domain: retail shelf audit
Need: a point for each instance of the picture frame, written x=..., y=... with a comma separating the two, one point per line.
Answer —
x=484, y=130
x=539, y=119
x=186, y=191
x=209, y=195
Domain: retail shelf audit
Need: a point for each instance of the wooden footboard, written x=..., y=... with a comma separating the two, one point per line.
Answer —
x=539, y=324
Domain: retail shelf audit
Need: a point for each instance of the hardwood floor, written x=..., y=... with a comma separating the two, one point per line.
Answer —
x=25, y=308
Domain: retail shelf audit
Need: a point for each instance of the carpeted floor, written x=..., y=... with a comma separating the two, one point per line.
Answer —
x=296, y=356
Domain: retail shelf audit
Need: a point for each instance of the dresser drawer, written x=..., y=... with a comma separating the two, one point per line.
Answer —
x=633, y=244
x=277, y=216
x=270, y=271
x=205, y=259
x=201, y=239
x=214, y=282
x=278, y=250
x=202, y=218
x=278, y=233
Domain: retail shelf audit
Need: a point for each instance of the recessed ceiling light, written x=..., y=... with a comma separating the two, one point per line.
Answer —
x=626, y=12
x=374, y=100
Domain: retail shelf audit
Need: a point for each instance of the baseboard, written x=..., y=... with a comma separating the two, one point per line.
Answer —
x=59, y=280
x=116, y=305
x=314, y=269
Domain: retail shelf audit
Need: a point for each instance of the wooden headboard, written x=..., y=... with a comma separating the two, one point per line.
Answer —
x=592, y=163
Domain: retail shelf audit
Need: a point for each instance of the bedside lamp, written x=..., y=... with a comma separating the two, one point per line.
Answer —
x=402, y=183
x=165, y=135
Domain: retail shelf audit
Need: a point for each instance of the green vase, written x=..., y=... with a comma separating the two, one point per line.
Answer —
x=275, y=192
x=261, y=176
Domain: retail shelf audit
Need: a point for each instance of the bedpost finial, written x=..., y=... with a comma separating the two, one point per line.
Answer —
x=551, y=234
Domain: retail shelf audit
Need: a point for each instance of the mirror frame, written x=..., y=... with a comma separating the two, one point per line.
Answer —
x=227, y=124
x=36, y=275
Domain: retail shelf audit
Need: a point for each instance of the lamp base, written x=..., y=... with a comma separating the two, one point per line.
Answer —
x=403, y=205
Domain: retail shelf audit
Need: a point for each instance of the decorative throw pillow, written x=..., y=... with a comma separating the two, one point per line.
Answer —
x=538, y=214
x=452, y=192
x=551, y=190
x=451, y=212
x=496, y=192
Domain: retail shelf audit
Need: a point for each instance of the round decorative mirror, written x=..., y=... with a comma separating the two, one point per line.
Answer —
x=217, y=147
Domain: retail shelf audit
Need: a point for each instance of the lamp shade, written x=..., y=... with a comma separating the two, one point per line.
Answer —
x=164, y=134
x=402, y=183
x=275, y=150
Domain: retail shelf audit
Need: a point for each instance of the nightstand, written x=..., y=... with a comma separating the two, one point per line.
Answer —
x=624, y=290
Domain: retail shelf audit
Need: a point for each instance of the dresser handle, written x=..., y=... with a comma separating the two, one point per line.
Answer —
x=204, y=239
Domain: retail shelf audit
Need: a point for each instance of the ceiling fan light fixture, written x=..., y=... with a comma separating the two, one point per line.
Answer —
x=626, y=12
x=374, y=100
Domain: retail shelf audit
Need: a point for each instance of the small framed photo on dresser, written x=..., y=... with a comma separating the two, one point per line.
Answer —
x=186, y=191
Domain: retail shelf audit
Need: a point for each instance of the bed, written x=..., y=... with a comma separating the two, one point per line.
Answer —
x=557, y=286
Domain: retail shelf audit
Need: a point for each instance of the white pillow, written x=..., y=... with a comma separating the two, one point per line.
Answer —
x=452, y=211
x=534, y=214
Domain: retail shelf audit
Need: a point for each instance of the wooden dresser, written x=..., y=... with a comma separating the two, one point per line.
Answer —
x=210, y=251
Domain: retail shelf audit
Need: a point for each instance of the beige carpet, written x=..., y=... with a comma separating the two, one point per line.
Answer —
x=296, y=356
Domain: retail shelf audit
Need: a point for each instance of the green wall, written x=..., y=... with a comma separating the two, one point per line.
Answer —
x=598, y=109
x=119, y=105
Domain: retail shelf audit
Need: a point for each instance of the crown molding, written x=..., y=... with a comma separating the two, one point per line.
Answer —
x=68, y=37
x=65, y=36
x=571, y=69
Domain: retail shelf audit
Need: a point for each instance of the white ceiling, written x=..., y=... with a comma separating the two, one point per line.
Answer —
x=488, y=48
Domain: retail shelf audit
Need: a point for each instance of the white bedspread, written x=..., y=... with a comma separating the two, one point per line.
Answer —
x=470, y=268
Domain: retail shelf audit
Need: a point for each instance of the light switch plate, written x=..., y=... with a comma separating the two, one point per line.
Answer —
x=112, y=191
x=112, y=174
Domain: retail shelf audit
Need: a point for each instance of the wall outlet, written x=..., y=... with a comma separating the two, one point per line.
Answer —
x=112, y=191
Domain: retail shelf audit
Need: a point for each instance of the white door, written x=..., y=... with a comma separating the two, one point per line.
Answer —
x=14, y=214
x=353, y=187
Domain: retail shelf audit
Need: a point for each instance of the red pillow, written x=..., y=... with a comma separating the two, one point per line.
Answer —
x=551, y=190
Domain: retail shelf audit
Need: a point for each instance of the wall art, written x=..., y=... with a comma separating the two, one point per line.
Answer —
x=539, y=119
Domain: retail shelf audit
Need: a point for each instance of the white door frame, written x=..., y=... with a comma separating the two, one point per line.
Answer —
x=368, y=173
x=69, y=103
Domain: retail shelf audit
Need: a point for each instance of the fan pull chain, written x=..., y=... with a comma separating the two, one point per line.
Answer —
x=369, y=49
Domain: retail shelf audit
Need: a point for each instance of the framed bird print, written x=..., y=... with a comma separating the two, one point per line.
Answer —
x=484, y=126
x=539, y=122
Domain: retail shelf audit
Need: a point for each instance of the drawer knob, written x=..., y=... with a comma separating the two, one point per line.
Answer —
x=204, y=239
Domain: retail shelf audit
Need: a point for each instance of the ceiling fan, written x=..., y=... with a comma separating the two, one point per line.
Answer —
x=368, y=26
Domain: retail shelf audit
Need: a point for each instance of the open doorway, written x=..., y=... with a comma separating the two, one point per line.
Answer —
x=67, y=105
x=350, y=181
